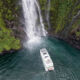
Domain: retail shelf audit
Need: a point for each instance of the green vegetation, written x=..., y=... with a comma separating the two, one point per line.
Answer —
x=77, y=34
x=64, y=19
x=7, y=38
x=61, y=13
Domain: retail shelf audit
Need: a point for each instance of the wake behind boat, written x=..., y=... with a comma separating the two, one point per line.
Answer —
x=47, y=61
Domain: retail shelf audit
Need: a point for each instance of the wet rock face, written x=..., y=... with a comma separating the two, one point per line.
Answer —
x=74, y=38
x=64, y=19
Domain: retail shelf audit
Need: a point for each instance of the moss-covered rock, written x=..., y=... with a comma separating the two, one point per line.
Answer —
x=64, y=17
x=8, y=14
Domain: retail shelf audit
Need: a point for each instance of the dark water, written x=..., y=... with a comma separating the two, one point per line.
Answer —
x=27, y=65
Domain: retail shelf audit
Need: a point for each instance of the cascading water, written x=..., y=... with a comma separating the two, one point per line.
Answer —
x=47, y=13
x=34, y=26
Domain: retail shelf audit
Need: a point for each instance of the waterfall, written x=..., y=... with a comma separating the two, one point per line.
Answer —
x=34, y=26
x=47, y=13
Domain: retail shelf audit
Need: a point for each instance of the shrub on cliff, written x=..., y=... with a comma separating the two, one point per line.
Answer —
x=7, y=38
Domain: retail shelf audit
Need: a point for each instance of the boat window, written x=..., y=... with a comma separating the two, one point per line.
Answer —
x=46, y=56
x=44, y=53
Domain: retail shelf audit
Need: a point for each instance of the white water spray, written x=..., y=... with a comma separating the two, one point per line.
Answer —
x=34, y=26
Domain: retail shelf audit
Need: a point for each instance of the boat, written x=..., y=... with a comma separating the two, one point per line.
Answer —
x=46, y=59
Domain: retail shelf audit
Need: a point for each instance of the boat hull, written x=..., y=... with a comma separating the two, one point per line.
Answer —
x=46, y=59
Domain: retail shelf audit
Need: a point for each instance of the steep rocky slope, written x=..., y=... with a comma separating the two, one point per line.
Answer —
x=64, y=19
x=64, y=22
x=9, y=28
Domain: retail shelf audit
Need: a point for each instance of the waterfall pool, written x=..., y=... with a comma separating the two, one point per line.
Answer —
x=27, y=64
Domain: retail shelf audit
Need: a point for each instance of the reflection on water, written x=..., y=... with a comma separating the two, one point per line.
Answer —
x=27, y=64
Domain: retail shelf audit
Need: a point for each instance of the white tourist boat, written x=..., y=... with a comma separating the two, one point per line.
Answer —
x=47, y=61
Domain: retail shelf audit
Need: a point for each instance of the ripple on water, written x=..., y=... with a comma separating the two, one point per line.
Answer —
x=27, y=65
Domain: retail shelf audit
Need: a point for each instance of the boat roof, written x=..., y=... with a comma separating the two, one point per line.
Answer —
x=46, y=56
x=43, y=50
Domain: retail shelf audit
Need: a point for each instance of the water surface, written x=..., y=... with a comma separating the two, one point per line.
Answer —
x=27, y=65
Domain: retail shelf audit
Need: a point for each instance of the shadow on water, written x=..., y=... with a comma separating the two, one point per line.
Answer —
x=27, y=64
